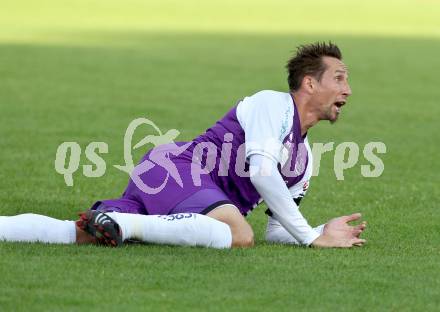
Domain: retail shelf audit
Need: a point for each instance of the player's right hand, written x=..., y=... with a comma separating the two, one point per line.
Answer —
x=326, y=241
x=339, y=233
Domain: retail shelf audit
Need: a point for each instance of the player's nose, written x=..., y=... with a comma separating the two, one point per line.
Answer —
x=347, y=90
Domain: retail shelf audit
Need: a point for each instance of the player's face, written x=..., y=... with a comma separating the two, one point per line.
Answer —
x=332, y=90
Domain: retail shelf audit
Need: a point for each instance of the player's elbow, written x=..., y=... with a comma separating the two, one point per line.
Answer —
x=271, y=237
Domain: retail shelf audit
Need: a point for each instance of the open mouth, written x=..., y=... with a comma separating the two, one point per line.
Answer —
x=338, y=105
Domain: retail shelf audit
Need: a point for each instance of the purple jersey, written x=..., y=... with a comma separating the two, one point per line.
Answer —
x=239, y=189
x=215, y=161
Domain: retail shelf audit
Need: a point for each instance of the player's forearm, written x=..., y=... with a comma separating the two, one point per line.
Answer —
x=276, y=233
x=270, y=185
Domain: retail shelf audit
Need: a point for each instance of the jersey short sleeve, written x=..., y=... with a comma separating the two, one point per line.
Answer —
x=266, y=118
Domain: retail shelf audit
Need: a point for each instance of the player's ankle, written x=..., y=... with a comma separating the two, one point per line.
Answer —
x=83, y=237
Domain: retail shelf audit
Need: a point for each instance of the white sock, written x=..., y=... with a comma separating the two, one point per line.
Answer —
x=31, y=227
x=186, y=229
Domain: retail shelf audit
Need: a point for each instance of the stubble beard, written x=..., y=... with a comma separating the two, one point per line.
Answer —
x=330, y=115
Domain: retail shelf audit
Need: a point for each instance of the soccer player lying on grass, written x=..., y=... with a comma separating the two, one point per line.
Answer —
x=198, y=193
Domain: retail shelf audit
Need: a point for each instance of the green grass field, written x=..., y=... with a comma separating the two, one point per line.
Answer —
x=82, y=70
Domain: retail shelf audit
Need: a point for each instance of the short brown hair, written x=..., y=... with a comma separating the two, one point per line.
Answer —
x=308, y=61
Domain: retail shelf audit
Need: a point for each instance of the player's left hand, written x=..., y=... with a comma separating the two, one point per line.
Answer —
x=340, y=228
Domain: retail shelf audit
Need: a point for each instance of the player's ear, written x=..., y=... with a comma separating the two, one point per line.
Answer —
x=308, y=84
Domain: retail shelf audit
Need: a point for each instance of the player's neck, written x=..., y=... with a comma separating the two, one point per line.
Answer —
x=307, y=117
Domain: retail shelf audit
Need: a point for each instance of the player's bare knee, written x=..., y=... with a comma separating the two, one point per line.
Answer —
x=248, y=240
x=245, y=241
x=243, y=238
x=242, y=234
